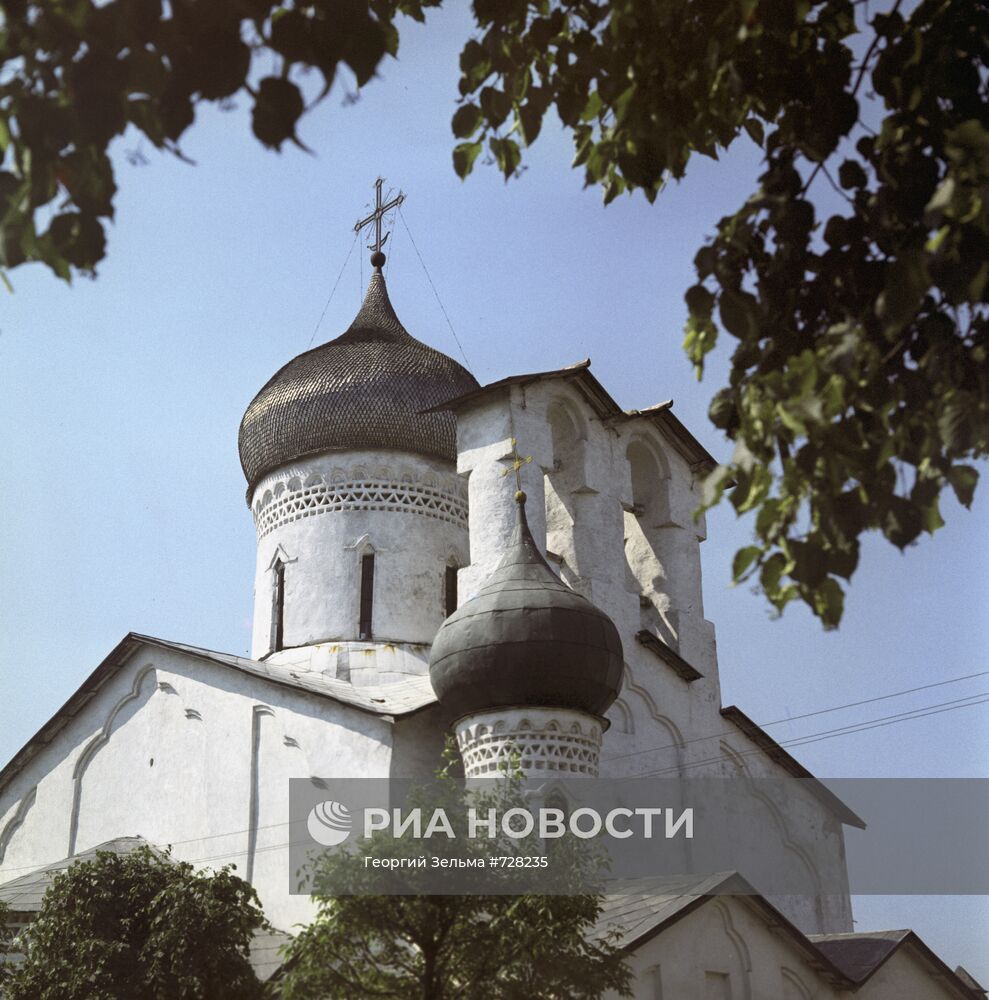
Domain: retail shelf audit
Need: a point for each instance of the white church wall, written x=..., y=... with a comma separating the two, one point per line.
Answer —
x=321, y=515
x=223, y=746
x=907, y=976
x=723, y=950
x=611, y=501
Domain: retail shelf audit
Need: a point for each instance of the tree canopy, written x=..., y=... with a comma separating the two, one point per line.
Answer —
x=858, y=384
x=139, y=925
x=382, y=932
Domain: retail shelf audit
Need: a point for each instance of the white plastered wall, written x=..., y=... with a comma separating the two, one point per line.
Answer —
x=321, y=515
x=612, y=501
x=730, y=949
x=193, y=754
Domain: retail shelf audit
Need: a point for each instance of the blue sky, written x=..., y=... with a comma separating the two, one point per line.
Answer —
x=121, y=397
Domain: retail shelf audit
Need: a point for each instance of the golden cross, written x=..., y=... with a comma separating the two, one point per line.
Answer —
x=517, y=462
x=378, y=214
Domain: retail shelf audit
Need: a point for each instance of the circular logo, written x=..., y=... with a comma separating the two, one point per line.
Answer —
x=329, y=823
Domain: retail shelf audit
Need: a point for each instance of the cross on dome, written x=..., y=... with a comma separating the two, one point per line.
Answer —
x=517, y=462
x=377, y=257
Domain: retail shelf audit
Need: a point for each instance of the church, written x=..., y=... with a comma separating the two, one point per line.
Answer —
x=416, y=577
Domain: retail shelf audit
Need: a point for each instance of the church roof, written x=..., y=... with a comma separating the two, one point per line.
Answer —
x=395, y=699
x=791, y=765
x=24, y=894
x=640, y=909
x=601, y=401
x=526, y=638
x=861, y=954
x=368, y=388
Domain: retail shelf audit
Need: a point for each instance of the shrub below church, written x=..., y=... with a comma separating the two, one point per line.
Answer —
x=140, y=925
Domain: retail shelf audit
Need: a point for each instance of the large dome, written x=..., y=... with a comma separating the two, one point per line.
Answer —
x=366, y=389
x=526, y=639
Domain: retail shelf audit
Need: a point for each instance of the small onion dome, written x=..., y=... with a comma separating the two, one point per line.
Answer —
x=526, y=639
x=366, y=389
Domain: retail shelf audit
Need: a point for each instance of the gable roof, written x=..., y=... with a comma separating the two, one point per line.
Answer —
x=24, y=894
x=791, y=765
x=647, y=907
x=860, y=955
x=603, y=404
x=389, y=701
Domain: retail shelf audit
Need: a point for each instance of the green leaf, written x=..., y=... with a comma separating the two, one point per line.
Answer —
x=276, y=110
x=530, y=118
x=464, y=156
x=496, y=105
x=851, y=175
x=739, y=313
x=829, y=603
x=507, y=154
x=963, y=479
x=466, y=120
x=744, y=558
x=754, y=127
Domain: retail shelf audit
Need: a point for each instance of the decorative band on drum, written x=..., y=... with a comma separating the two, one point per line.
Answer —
x=371, y=495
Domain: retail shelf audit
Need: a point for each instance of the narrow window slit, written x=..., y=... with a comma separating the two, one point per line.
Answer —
x=367, y=595
x=278, y=607
x=451, y=590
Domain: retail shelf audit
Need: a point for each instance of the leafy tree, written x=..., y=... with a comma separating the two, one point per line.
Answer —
x=500, y=941
x=139, y=925
x=6, y=940
x=858, y=383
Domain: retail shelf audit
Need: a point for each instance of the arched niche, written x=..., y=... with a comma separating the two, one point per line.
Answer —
x=649, y=554
x=565, y=476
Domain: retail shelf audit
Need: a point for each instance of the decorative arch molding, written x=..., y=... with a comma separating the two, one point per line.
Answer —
x=280, y=556
x=625, y=721
x=97, y=743
x=16, y=821
x=738, y=944
x=254, y=798
x=794, y=987
x=677, y=742
x=779, y=820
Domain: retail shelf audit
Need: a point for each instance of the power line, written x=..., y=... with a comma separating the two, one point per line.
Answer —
x=806, y=715
x=851, y=730
x=812, y=737
x=463, y=354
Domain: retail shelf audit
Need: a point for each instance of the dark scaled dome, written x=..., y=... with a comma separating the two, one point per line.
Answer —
x=526, y=639
x=366, y=389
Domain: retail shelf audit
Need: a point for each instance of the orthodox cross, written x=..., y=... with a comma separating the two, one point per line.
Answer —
x=517, y=462
x=378, y=214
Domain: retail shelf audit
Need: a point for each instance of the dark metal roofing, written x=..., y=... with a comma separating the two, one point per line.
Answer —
x=527, y=639
x=860, y=955
x=368, y=388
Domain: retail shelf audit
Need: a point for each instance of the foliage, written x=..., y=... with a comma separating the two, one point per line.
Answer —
x=139, y=924
x=857, y=391
x=858, y=383
x=77, y=73
x=6, y=940
x=500, y=941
